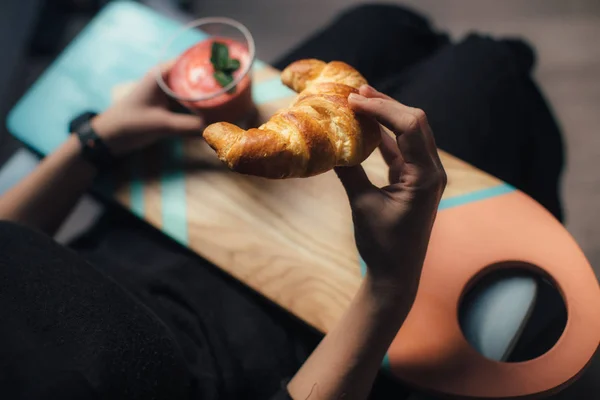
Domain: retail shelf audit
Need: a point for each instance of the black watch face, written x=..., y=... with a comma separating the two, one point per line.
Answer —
x=76, y=122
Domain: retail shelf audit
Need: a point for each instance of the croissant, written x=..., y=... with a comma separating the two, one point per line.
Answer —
x=316, y=133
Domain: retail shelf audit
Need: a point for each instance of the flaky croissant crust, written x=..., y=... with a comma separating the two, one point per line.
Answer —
x=316, y=133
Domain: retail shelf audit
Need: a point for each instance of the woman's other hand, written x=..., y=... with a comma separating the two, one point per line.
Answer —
x=393, y=224
x=143, y=117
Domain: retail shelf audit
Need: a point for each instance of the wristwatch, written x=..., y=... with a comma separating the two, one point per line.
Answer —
x=93, y=149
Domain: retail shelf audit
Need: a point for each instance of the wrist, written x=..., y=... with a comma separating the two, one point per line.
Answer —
x=93, y=147
x=105, y=129
x=389, y=295
x=74, y=150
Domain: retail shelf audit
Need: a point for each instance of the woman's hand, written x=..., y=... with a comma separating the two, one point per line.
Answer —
x=143, y=117
x=393, y=224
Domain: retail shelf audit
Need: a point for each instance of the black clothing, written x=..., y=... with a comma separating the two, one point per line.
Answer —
x=479, y=96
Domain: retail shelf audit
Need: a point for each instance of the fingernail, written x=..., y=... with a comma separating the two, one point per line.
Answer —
x=357, y=97
x=366, y=86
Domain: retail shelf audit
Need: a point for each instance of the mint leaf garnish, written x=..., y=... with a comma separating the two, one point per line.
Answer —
x=223, y=65
x=219, y=56
x=223, y=78
x=232, y=65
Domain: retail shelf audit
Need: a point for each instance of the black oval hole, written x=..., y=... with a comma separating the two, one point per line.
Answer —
x=513, y=313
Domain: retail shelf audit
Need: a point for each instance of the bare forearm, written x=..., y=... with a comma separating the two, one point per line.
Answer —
x=140, y=118
x=45, y=198
x=346, y=362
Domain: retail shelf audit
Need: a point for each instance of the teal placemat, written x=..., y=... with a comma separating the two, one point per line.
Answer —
x=121, y=44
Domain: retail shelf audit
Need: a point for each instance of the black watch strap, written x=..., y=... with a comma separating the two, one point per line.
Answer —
x=93, y=149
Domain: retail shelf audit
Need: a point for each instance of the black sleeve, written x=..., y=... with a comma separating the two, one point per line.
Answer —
x=283, y=393
x=68, y=331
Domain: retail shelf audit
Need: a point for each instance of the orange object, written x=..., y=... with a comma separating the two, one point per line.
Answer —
x=430, y=350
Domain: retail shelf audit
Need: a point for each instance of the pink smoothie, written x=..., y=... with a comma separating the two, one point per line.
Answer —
x=192, y=76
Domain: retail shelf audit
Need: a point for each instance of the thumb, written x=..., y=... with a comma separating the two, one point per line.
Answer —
x=185, y=125
x=355, y=180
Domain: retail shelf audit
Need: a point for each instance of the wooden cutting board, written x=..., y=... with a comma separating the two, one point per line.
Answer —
x=291, y=240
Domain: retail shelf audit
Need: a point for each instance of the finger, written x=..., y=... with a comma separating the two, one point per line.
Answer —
x=432, y=146
x=355, y=180
x=427, y=133
x=389, y=148
x=391, y=154
x=166, y=67
x=184, y=125
x=406, y=126
x=149, y=82
x=163, y=69
x=370, y=92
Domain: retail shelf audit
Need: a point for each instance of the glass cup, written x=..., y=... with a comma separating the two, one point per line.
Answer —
x=191, y=81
